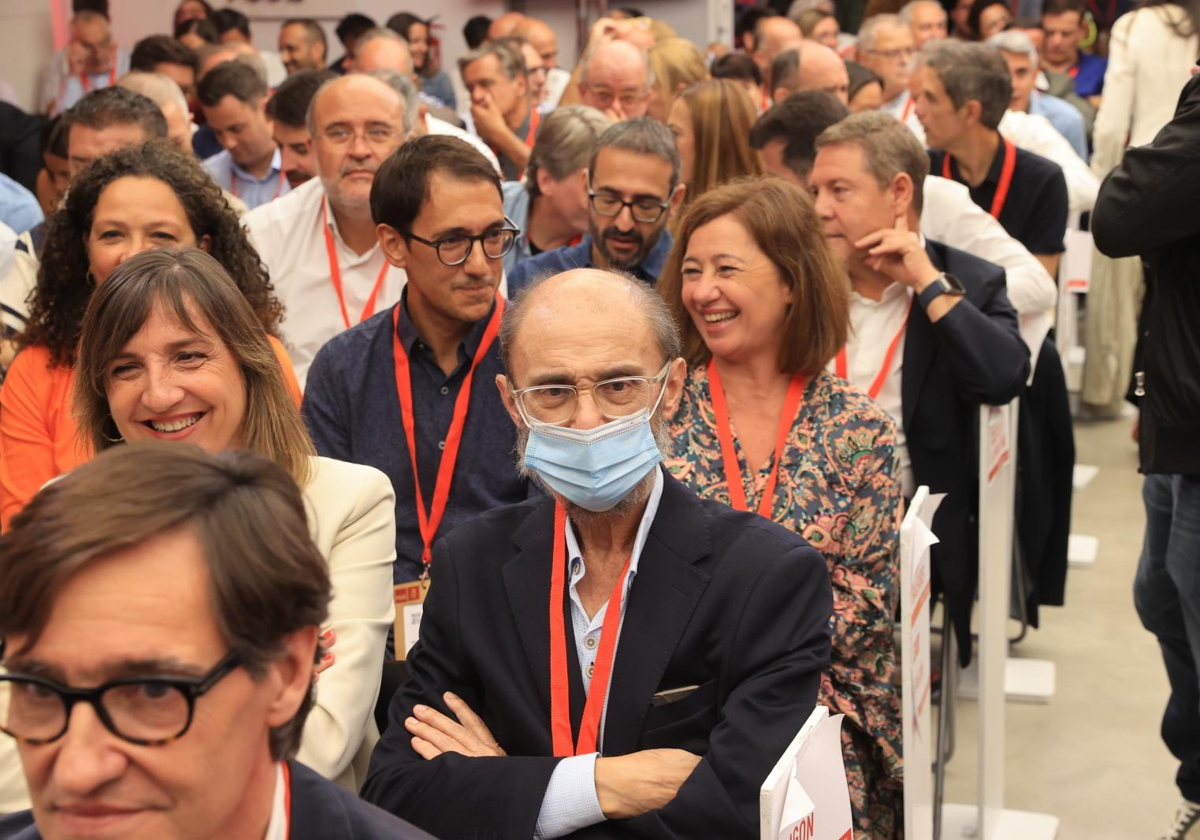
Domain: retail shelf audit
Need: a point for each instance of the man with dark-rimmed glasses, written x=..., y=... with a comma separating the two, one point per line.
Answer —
x=633, y=190
x=409, y=391
x=158, y=654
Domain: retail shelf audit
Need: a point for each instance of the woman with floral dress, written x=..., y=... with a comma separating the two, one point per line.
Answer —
x=764, y=307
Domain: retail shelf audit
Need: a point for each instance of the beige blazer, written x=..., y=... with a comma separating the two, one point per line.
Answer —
x=1148, y=65
x=351, y=511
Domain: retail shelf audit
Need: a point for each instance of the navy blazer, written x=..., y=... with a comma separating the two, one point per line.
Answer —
x=724, y=600
x=320, y=811
x=973, y=355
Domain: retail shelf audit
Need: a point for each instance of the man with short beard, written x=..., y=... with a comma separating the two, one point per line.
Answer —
x=633, y=190
x=685, y=640
x=318, y=241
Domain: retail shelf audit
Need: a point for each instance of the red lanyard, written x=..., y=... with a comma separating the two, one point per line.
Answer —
x=1074, y=71
x=908, y=106
x=733, y=472
x=112, y=75
x=560, y=689
x=335, y=274
x=429, y=523
x=766, y=101
x=287, y=800
x=278, y=189
x=1006, y=176
x=877, y=386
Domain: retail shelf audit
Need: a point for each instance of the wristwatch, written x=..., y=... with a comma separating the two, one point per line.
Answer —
x=943, y=284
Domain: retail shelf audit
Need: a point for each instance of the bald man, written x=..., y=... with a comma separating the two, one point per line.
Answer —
x=383, y=49
x=811, y=67
x=615, y=78
x=503, y=26
x=323, y=229
x=773, y=35
x=715, y=613
x=90, y=61
x=538, y=35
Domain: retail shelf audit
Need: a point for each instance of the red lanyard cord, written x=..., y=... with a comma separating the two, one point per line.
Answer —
x=733, y=471
x=1006, y=176
x=335, y=273
x=843, y=366
x=560, y=689
x=429, y=522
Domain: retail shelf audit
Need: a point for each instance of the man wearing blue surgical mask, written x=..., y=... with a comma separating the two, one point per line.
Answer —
x=618, y=616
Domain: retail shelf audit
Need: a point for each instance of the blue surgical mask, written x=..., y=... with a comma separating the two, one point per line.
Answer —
x=594, y=468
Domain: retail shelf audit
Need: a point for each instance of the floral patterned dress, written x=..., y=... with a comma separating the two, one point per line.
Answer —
x=839, y=488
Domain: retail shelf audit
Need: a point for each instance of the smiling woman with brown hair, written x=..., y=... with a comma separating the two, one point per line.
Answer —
x=763, y=307
x=139, y=198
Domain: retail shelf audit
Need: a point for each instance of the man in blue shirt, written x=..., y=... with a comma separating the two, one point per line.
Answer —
x=633, y=191
x=234, y=98
x=1065, y=27
x=1021, y=56
x=413, y=388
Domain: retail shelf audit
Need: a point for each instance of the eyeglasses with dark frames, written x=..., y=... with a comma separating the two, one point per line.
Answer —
x=148, y=711
x=454, y=249
x=644, y=210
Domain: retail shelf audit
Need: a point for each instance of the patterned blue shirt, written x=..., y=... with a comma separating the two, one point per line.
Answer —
x=580, y=256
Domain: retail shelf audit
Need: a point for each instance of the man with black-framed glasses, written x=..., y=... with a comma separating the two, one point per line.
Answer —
x=409, y=390
x=633, y=188
x=157, y=655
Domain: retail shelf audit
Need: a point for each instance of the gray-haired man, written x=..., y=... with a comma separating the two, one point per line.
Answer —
x=674, y=623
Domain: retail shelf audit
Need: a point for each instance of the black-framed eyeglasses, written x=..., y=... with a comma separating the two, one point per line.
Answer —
x=455, y=248
x=644, y=210
x=148, y=711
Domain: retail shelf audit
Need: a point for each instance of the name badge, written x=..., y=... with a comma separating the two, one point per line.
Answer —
x=410, y=604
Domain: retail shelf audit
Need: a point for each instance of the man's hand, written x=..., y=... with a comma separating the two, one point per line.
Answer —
x=434, y=733
x=489, y=122
x=632, y=785
x=897, y=253
x=76, y=58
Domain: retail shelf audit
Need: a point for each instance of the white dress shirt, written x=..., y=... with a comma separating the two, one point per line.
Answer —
x=435, y=126
x=570, y=803
x=873, y=325
x=277, y=828
x=291, y=242
x=1034, y=133
x=951, y=217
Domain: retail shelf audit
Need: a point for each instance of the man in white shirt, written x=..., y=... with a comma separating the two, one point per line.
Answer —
x=234, y=99
x=886, y=47
x=180, y=716
x=90, y=61
x=383, y=49
x=933, y=333
x=787, y=134
x=318, y=242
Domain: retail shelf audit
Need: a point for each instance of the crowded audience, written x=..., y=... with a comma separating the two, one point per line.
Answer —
x=728, y=307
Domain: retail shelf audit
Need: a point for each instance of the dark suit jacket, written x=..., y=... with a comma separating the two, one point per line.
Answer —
x=973, y=355
x=320, y=811
x=724, y=600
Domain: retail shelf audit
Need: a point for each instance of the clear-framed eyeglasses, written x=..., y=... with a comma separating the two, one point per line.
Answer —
x=455, y=248
x=148, y=711
x=376, y=135
x=617, y=399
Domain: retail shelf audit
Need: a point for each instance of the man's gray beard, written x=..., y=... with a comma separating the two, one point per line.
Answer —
x=635, y=498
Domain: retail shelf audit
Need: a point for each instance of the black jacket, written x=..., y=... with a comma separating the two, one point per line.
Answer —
x=724, y=600
x=1148, y=206
x=972, y=355
x=320, y=811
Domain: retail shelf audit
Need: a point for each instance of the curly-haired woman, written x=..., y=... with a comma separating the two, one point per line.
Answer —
x=142, y=197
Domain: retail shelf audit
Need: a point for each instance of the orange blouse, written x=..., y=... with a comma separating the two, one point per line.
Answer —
x=38, y=435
